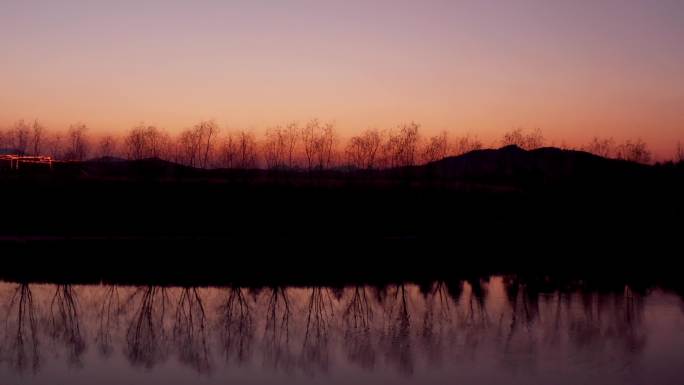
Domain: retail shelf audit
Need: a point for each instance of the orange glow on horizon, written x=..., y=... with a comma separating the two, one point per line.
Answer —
x=574, y=70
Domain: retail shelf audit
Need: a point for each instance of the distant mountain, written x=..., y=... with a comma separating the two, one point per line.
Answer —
x=508, y=166
x=547, y=165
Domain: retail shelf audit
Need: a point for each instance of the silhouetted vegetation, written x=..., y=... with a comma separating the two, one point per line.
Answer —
x=314, y=145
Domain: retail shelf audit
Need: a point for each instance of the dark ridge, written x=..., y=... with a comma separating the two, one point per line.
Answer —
x=507, y=167
x=535, y=209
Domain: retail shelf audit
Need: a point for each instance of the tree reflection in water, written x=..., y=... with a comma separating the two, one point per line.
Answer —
x=437, y=320
x=65, y=324
x=397, y=335
x=277, y=349
x=108, y=319
x=236, y=326
x=147, y=336
x=21, y=330
x=190, y=330
x=518, y=322
x=319, y=315
x=358, y=318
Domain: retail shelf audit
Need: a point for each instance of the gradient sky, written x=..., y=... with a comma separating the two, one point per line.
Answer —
x=573, y=68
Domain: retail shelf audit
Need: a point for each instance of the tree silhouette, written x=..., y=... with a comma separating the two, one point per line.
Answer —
x=319, y=141
x=465, y=144
x=195, y=145
x=525, y=139
x=20, y=137
x=107, y=146
x=144, y=142
x=436, y=148
x=37, y=131
x=634, y=151
x=77, y=148
x=246, y=146
x=401, y=148
x=363, y=150
x=601, y=147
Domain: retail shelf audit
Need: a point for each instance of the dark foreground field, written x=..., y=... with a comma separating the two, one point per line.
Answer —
x=494, y=208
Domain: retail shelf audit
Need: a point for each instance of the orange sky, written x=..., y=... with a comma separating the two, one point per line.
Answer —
x=573, y=69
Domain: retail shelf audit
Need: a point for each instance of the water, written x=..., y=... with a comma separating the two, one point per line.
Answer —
x=498, y=330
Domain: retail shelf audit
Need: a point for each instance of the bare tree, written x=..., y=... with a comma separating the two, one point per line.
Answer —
x=227, y=153
x=246, y=150
x=280, y=145
x=291, y=133
x=37, y=137
x=327, y=146
x=534, y=139
x=209, y=131
x=525, y=139
x=435, y=148
x=465, y=144
x=20, y=136
x=146, y=142
x=402, y=147
x=363, y=150
x=309, y=135
x=636, y=151
x=189, y=147
x=77, y=148
x=604, y=147
x=319, y=141
x=55, y=145
x=5, y=140
x=275, y=148
x=196, y=144
x=107, y=146
x=679, y=154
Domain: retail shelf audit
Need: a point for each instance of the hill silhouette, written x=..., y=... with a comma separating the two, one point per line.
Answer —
x=548, y=163
x=506, y=201
x=509, y=166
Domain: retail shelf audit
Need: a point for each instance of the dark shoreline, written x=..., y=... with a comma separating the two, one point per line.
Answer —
x=199, y=262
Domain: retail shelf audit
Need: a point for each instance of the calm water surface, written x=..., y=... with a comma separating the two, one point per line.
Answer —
x=482, y=331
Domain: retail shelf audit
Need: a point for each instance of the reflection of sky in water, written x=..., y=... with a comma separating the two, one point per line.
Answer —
x=499, y=331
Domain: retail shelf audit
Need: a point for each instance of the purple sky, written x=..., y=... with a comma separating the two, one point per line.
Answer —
x=575, y=69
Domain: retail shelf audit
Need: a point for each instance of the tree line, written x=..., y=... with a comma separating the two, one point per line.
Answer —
x=314, y=145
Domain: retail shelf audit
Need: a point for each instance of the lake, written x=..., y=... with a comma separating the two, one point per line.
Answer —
x=483, y=330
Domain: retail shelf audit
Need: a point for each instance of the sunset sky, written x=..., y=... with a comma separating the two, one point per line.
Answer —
x=575, y=69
